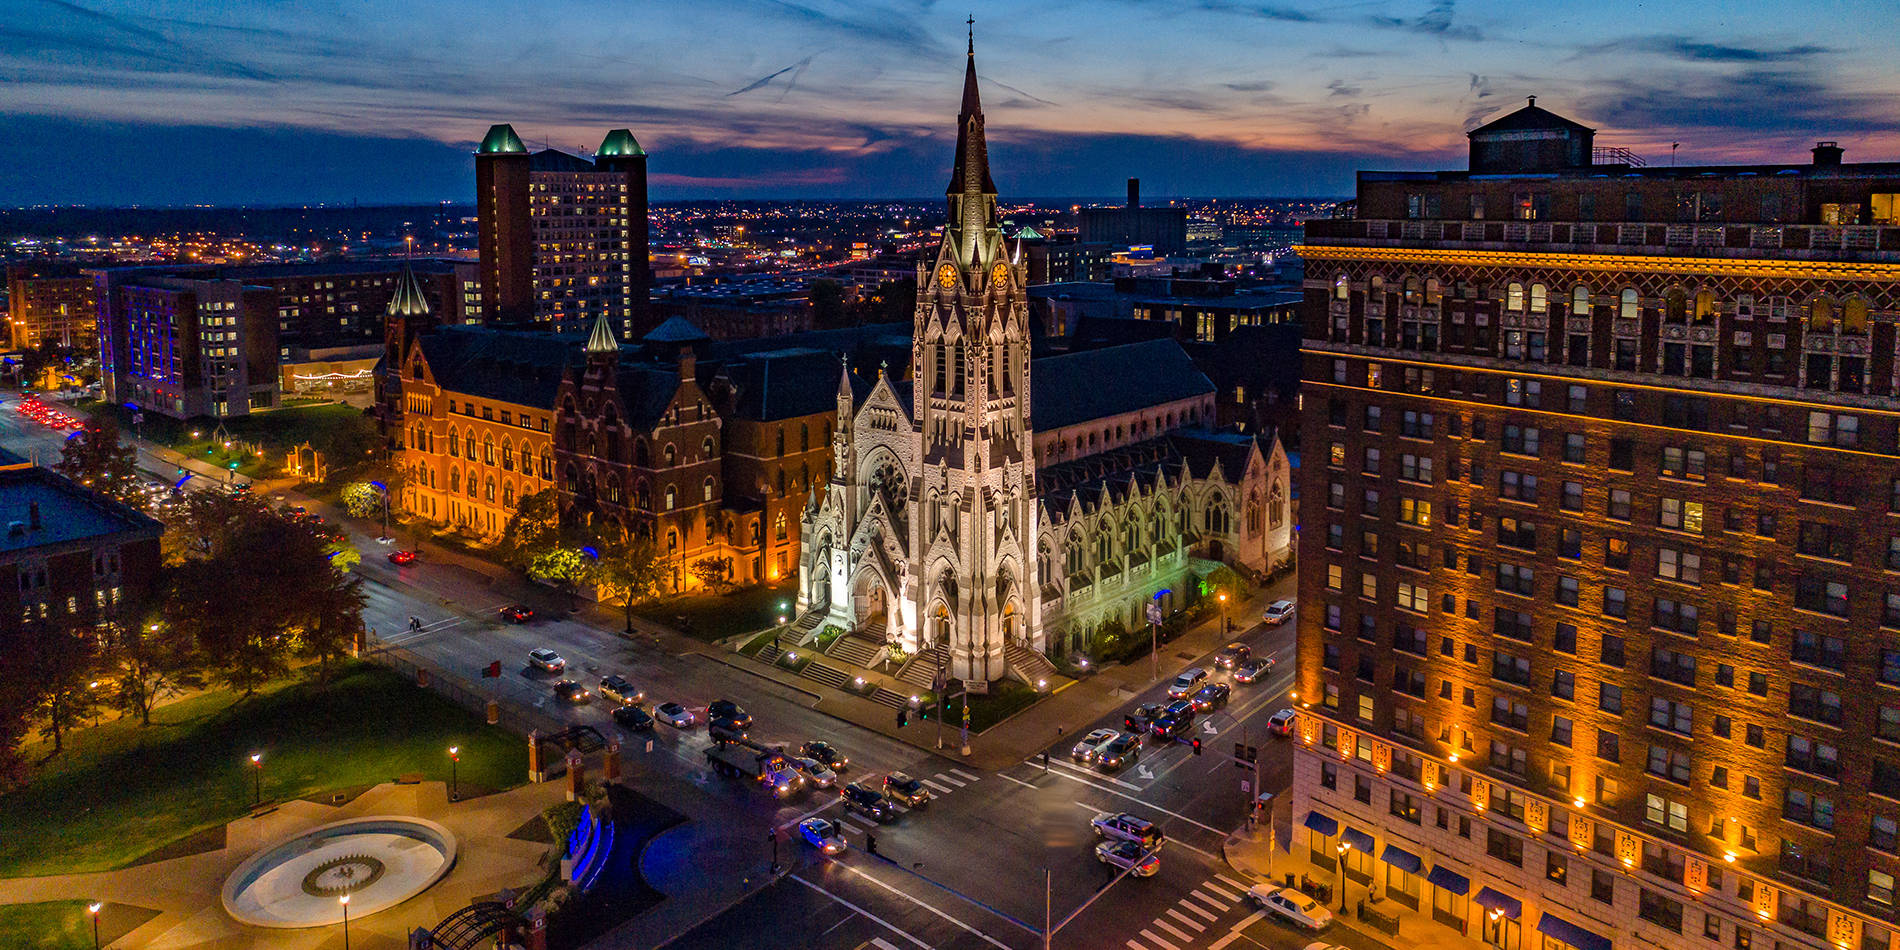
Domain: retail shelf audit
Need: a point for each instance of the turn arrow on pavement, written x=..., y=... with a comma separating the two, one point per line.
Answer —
x=1142, y=771
x=1207, y=726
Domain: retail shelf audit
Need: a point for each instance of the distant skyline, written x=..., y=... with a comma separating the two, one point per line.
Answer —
x=165, y=102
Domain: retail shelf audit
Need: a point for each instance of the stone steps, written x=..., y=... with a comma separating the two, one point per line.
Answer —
x=888, y=697
x=921, y=671
x=1033, y=667
x=829, y=675
x=855, y=650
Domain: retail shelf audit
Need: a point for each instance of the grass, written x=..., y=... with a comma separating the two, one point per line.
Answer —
x=713, y=617
x=54, y=925
x=120, y=791
x=1004, y=700
x=342, y=432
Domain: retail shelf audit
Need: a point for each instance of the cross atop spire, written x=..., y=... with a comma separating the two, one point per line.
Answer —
x=972, y=24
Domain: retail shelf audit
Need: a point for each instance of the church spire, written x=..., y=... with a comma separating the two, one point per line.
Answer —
x=602, y=341
x=971, y=192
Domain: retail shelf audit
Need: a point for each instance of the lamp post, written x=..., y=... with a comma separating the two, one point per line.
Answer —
x=1344, y=848
x=1223, y=613
x=455, y=758
x=93, y=909
x=257, y=776
x=345, y=902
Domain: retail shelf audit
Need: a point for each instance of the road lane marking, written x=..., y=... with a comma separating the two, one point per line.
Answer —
x=1142, y=771
x=893, y=928
x=1182, y=935
x=1138, y=801
x=1135, y=945
x=1157, y=941
x=1236, y=885
x=1018, y=781
x=882, y=944
x=1216, y=888
x=973, y=778
x=795, y=821
x=1219, y=905
x=942, y=789
x=1198, y=910
x=1067, y=769
x=953, y=781
x=1235, y=934
x=1177, y=915
x=980, y=934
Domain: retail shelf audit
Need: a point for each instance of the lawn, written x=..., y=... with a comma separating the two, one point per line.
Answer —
x=342, y=432
x=54, y=925
x=718, y=616
x=119, y=791
x=1004, y=700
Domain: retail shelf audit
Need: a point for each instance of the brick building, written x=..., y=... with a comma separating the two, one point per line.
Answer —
x=68, y=552
x=1601, y=547
x=49, y=302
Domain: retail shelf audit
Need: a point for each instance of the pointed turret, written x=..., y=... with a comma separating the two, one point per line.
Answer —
x=408, y=300
x=971, y=192
x=602, y=341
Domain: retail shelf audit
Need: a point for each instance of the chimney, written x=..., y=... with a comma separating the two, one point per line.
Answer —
x=33, y=515
x=1827, y=153
x=687, y=364
x=1134, y=192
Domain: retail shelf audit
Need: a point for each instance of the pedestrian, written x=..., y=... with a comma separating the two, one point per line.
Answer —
x=1045, y=760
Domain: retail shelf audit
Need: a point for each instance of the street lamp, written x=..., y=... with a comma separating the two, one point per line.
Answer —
x=1223, y=613
x=455, y=758
x=345, y=901
x=1344, y=847
x=257, y=786
x=94, y=908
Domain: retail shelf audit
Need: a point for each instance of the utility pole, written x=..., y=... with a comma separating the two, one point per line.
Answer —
x=1048, y=932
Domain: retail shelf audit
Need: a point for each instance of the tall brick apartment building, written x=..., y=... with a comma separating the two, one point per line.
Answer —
x=1600, y=632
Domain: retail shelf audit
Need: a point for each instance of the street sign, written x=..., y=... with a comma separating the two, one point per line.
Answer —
x=1154, y=613
x=1246, y=787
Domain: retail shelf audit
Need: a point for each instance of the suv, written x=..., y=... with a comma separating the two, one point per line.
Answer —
x=568, y=691
x=905, y=789
x=1127, y=827
x=1232, y=655
x=1119, y=753
x=547, y=661
x=723, y=730
x=1143, y=717
x=618, y=689
x=1279, y=612
x=729, y=711
x=1211, y=697
x=1185, y=684
x=858, y=798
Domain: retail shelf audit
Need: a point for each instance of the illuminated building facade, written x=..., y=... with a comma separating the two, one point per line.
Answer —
x=49, y=302
x=1599, y=635
x=563, y=239
x=186, y=347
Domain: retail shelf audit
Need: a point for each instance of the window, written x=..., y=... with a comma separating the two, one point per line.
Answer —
x=1504, y=847
x=1516, y=579
x=1813, y=757
x=1820, y=539
x=1573, y=497
x=1416, y=468
x=1808, y=808
x=1819, y=650
x=1522, y=440
x=1511, y=669
x=1680, y=515
x=1660, y=910
x=1520, y=486
x=1679, y=566
x=1673, y=666
x=1671, y=715
x=1611, y=652
x=1670, y=764
x=1563, y=685
x=1619, y=506
x=1610, y=698
x=1561, y=729
x=1609, y=746
x=1603, y=886
x=1678, y=462
x=1616, y=602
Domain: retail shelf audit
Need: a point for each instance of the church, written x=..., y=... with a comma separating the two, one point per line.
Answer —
x=990, y=510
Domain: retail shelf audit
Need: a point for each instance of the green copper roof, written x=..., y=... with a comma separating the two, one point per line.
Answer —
x=620, y=143
x=501, y=139
x=602, y=340
x=1029, y=234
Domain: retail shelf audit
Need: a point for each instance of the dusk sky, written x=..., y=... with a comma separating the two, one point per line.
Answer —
x=272, y=102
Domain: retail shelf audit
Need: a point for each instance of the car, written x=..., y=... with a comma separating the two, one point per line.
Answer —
x=815, y=771
x=517, y=613
x=1211, y=697
x=866, y=801
x=1281, y=723
x=1185, y=684
x=1085, y=750
x=724, y=730
x=1252, y=670
x=1169, y=728
x=826, y=753
x=728, y=710
x=824, y=835
x=1278, y=612
x=1232, y=655
x=568, y=691
x=618, y=689
x=402, y=557
x=1128, y=856
x=633, y=717
x=1290, y=905
x=1142, y=717
x=547, y=661
x=903, y=788
x=1183, y=709
x=1119, y=753
x=675, y=715
x=1123, y=826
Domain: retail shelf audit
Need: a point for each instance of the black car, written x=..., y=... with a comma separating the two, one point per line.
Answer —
x=1181, y=709
x=728, y=710
x=1143, y=716
x=568, y=691
x=1211, y=697
x=1119, y=753
x=1171, y=727
x=867, y=802
x=633, y=717
x=824, y=753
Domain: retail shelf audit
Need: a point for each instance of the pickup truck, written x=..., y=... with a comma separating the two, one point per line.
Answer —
x=769, y=767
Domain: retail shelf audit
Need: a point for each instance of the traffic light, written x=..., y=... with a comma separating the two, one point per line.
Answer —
x=870, y=844
x=1197, y=747
x=903, y=718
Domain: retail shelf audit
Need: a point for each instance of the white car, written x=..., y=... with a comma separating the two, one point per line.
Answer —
x=1185, y=684
x=815, y=771
x=1281, y=722
x=547, y=661
x=1291, y=905
x=1085, y=750
x=674, y=714
x=821, y=834
x=1128, y=856
x=1279, y=612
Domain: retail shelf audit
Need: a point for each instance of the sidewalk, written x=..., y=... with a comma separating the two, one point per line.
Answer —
x=1248, y=852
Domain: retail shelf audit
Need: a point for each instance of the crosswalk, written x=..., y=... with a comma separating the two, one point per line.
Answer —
x=941, y=784
x=1192, y=917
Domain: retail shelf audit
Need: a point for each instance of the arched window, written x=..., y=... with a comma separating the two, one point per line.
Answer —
x=1412, y=290
x=1821, y=315
x=706, y=449
x=508, y=494
x=1580, y=300
x=455, y=480
x=1705, y=307
x=1675, y=306
x=670, y=498
x=1540, y=302
x=1629, y=309
x=1375, y=291
x=1514, y=297
x=706, y=490
x=547, y=465
x=642, y=498
x=471, y=483
x=1341, y=289
x=640, y=456
x=778, y=527
x=670, y=455
x=488, y=489
x=804, y=437
x=455, y=443
x=1433, y=293
x=1854, y=315
x=488, y=450
x=781, y=481
x=1276, y=507
x=507, y=456
x=672, y=538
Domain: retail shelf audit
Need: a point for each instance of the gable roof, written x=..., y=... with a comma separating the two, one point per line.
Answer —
x=1093, y=384
x=1529, y=118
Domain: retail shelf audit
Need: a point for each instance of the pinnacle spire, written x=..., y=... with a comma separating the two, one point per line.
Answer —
x=408, y=300
x=972, y=193
x=602, y=341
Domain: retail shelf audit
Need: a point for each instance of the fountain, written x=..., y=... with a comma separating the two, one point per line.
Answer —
x=378, y=862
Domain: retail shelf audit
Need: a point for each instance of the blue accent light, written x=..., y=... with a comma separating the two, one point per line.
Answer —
x=181, y=482
x=591, y=552
x=1163, y=592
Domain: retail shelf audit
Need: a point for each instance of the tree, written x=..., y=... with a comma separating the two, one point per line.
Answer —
x=65, y=661
x=630, y=570
x=333, y=618
x=149, y=660
x=713, y=572
x=565, y=566
x=362, y=499
x=97, y=459
x=532, y=531
x=891, y=302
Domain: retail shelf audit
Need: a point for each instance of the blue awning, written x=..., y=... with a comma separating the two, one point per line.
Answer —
x=1402, y=859
x=1322, y=824
x=1357, y=839
x=1445, y=878
x=1571, y=933
x=1502, y=903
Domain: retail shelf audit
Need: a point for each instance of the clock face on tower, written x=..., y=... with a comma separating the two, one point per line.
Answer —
x=947, y=276
x=1000, y=273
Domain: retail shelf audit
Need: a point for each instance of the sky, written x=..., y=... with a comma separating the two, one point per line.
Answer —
x=171, y=102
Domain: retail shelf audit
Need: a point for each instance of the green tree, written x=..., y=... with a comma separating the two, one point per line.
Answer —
x=630, y=570
x=333, y=617
x=891, y=302
x=149, y=660
x=65, y=661
x=362, y=499
x=533, y=530
x=565, y=566
x=97, y=459
x=713, y=573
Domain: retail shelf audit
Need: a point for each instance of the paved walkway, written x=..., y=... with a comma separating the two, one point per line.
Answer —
x=186, y=891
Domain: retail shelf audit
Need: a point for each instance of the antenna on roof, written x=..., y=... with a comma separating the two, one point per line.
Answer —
x=1672, y=153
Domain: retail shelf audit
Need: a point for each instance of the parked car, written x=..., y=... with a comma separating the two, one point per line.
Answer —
x=1232, y=655
x=1142, y=717
x=402, y=557
x=1211, y=697
x=825, y=752
x=1290, y=905
x=824, y=835
x=815, y=771
x=1126, y=855
x=633, y=717
x=1185, y=684
x=517, y=613
x=618, y=689
x=905, y=789
x=1252, y=670
x=547, y=661
x=1278, y=612
x=568, y=691
x=1086, y=749
x=728, y=710
x=864, y=800
x=675, y=715
x=1281, y=723
x=1119, y=753
x=1123, y=826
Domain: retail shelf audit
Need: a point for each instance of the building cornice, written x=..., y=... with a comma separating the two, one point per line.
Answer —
x=1765, y=268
